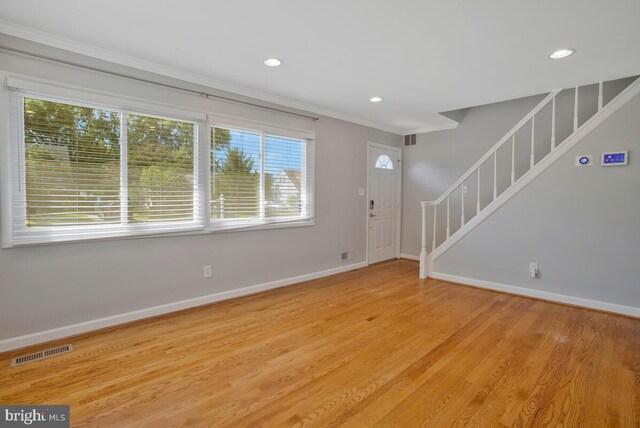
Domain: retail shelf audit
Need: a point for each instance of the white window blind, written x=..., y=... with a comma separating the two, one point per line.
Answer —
x=90, y=172
x=286, y=187
x=160, y=170
x=72, y=165
x=259, y=178
x=235, y=185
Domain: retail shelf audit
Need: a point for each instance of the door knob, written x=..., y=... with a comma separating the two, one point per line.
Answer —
x=372, y=215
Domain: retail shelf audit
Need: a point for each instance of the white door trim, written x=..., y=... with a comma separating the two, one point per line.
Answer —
x=371, y=144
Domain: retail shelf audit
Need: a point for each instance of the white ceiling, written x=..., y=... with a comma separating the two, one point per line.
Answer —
x=422, y=57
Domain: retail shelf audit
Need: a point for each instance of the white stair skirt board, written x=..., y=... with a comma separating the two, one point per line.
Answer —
x=541, y=295
x=110, y=321
x=570, y=142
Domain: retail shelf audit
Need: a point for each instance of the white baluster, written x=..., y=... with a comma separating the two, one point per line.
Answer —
x=575, y=112
x=495, y=175
x=435, y=214
x=448, y=229
x=423, y=243
x=533, y=139
x=462, y=205
x=513, y=158
x=478, y=198
x=553, y=123
x=600, y=95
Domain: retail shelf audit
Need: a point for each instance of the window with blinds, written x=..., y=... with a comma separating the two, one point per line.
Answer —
x=72, y=165
x=86, y=170
x=160, y=169
x=92, y=172
x=235, y=167
x=285, y=190
x=258, y=178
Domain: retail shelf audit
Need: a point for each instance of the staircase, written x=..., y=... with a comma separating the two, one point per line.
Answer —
x=473, y=211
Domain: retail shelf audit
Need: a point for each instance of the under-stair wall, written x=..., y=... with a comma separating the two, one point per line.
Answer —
x=439, y=158
x=580, y=224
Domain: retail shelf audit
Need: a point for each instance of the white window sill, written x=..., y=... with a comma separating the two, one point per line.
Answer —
x=248, y=226
x=240, y=227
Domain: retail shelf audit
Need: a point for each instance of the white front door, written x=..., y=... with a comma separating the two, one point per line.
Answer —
x=384, y=202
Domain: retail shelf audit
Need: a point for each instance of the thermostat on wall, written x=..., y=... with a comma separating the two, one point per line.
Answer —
x=584, y=160
x=615, y=158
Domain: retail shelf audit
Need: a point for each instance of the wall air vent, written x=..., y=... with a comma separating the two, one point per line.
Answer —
x=410, y=140
x=41, y=355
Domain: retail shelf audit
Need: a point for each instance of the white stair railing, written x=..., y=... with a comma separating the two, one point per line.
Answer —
x=492, y=153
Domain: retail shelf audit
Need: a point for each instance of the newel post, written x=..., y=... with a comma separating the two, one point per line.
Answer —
x=423, y=244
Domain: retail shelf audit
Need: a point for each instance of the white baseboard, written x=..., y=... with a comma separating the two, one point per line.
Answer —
x=542, y=295
x=410, y=257
x=96, y=324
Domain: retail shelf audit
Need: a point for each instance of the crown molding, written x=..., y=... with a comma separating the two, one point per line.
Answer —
x=63, y=43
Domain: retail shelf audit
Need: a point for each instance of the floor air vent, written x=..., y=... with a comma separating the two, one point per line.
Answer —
x=40, y=355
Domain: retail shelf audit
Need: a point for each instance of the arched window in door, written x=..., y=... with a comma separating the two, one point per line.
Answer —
x=384, y=162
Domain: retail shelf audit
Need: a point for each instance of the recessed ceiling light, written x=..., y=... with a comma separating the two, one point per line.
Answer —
x=272, y=62
x=375, y=99
x=562, y=53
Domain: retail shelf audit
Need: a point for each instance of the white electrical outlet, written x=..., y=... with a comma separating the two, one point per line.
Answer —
x=361, y=191
x=207, y=271
x=533, y=270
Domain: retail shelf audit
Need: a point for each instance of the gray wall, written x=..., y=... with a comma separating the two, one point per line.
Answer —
x=581, y=224
x=44, y=287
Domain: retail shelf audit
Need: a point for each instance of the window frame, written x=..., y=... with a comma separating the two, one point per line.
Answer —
x=388, y=165
x=196, y=168
x=22, y=157
x=263, y=129
x=203, y=121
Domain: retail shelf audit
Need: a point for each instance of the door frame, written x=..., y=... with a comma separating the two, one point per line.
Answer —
x=370, y=145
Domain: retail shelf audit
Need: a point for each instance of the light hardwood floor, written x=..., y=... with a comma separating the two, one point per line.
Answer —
x=373, y=347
